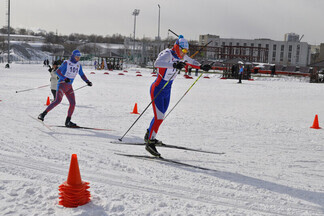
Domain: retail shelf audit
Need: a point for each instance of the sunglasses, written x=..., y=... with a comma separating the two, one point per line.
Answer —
x=185, y=51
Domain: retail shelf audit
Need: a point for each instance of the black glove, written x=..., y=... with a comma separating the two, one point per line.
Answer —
x=67, y=80
x=89, y=83
x=205, y=67
x=50, y=69
x=179, y=65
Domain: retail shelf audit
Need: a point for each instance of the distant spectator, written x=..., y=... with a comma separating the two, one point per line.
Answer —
x=54, y=78
x=248, y=72
x=273, y=70
x=233, y=70
x=240, y=73
x=95, y=65
x=189, y=71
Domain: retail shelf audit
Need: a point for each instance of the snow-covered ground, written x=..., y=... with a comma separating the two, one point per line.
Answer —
x=274, y=162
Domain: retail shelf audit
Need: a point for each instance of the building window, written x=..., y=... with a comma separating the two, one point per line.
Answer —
x=282, y=48
x=252, y=44
x=274, y=55
x=281, y=56
x=274, y=46
x=223, y=43
x=289, y=57
x=244, y=44
x=230, y=43
x=290, y=48
x=298, y=50
x=237, y=44
x=259, y=45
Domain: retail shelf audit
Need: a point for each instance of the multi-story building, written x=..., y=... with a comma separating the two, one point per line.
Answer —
x=293, y=53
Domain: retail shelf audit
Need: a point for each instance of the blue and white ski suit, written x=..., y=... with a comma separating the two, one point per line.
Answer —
x=166, y=72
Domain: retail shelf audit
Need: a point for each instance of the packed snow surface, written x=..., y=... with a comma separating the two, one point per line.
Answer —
x=273, y=162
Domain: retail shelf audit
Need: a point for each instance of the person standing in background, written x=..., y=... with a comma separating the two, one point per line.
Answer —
x=54, y=78
x=241, y=73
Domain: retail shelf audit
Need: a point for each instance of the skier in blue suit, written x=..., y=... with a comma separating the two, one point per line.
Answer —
x=66, y=73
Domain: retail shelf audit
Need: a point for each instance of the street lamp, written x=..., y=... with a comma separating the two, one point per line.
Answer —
x=8, y=32
x=159, y=23
x=135, y=13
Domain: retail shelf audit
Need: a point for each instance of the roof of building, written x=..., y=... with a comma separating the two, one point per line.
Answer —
x=109, y=55
x=318, y=64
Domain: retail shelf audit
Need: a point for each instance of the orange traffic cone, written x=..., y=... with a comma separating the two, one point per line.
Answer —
x=315, y=124
x=135, y=109
x=48, y=102
x=73, y=192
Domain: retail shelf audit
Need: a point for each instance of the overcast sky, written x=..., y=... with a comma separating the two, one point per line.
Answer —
x=248, y=19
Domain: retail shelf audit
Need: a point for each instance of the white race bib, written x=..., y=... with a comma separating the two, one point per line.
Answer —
x=72, y=69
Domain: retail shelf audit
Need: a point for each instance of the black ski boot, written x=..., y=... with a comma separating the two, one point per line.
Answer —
x=146, y=137
x=152, y=150
x=68, y=122
x=42, y=116
x=150, y=147
x=155, y=141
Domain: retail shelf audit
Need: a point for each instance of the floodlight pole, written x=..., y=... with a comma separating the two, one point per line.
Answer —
x=8, y=31
x=135, y=13
x=159, y=23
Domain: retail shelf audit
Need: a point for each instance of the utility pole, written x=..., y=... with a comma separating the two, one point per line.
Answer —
x=158, y=37
x=159, y=23
x=8, y=32
x=135, y=13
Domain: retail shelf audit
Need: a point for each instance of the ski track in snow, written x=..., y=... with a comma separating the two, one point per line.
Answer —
x=273, y=163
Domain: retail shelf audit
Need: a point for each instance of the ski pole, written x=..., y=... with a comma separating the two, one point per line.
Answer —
x=184, y=94
x=173, y=32
x=32, y=88
x=79, y=88
x=200, y=49
x=120, y=139
x=35, y=88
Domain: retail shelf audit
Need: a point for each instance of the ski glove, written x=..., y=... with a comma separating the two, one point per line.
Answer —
x=67, y=80
x=89, y=83
x=205, y=67
x=179, y=65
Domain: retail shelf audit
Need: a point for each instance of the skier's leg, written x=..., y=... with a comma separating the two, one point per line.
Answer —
x=158, y=105
x=71, y=98
x=54, y=93
x=58, y=99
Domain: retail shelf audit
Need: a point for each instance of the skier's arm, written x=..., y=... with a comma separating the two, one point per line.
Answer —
x=191, y=62
x=61, y=70
x=83, y=76
x=164, y=60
